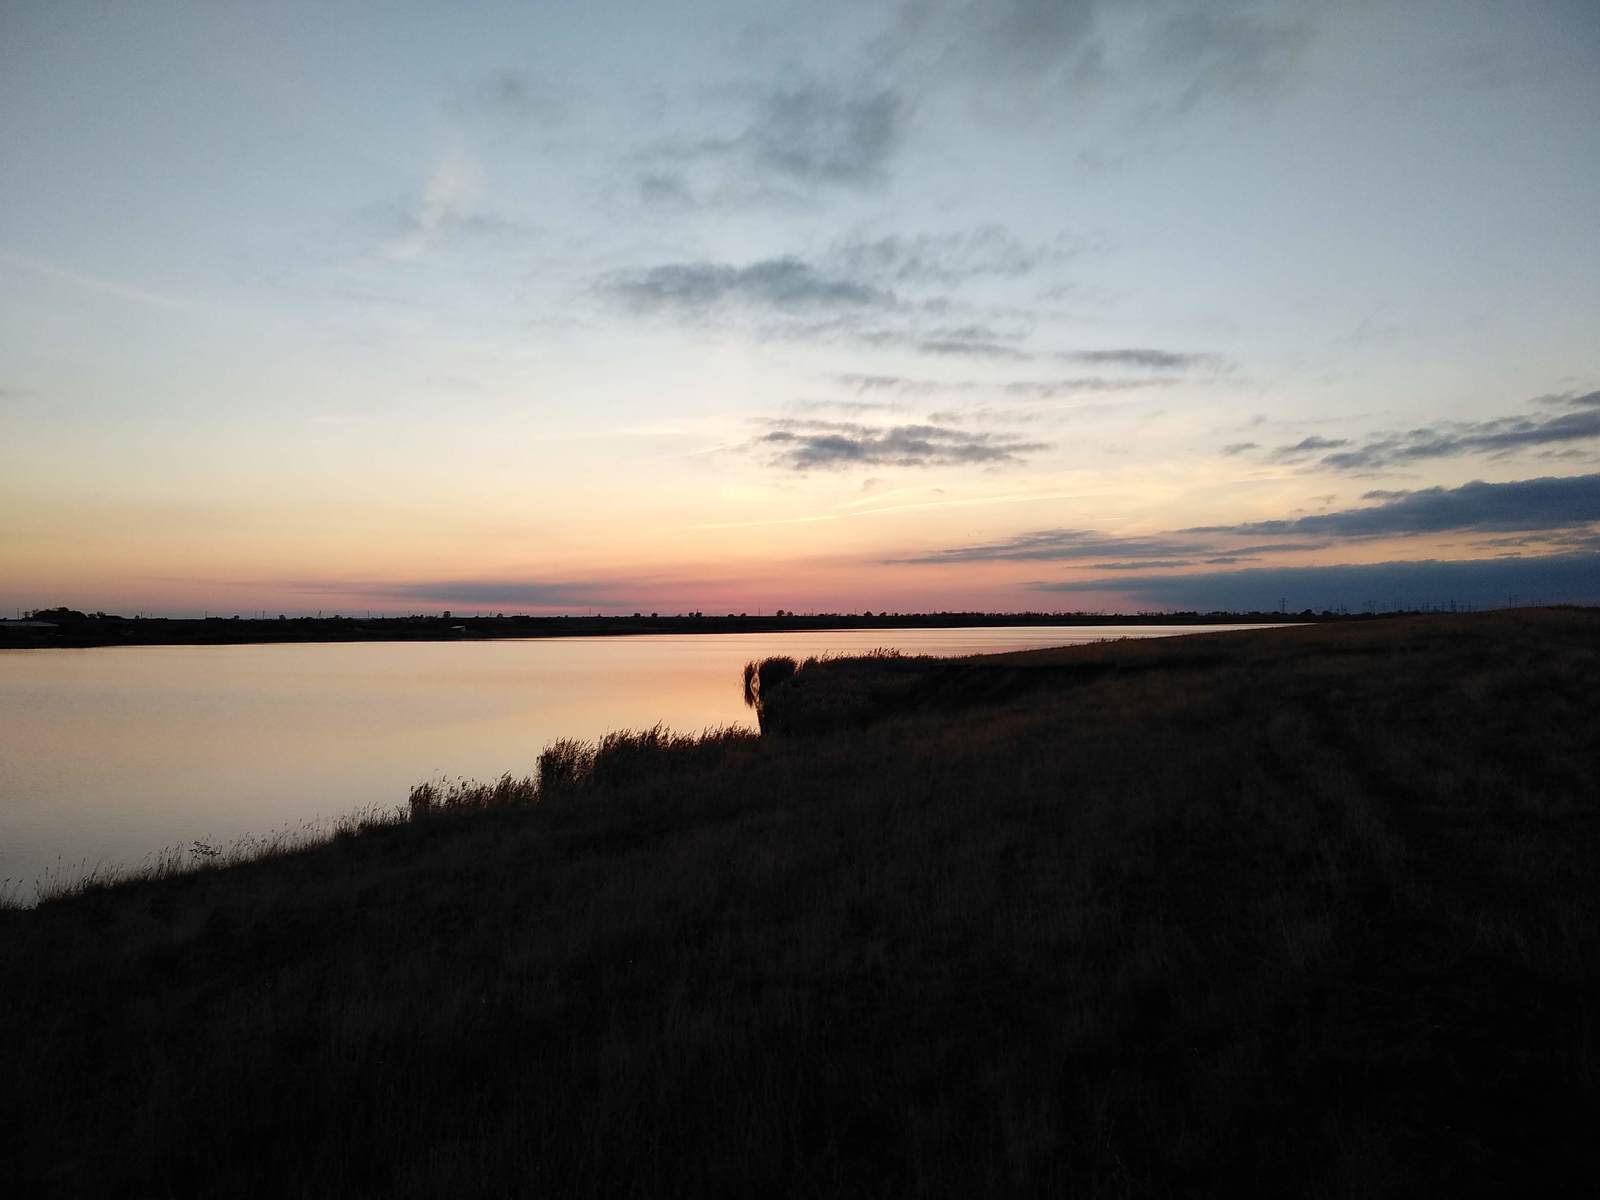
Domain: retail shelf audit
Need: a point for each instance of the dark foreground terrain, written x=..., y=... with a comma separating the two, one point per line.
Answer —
x=1310, y=911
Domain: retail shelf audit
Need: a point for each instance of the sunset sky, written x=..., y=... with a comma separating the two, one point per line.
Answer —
x=739, y=306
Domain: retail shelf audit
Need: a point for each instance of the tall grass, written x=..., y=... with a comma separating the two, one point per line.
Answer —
x=1303, y=912
x=566, y=767
x=434, y=797
x=570, y=766
x=205, y=855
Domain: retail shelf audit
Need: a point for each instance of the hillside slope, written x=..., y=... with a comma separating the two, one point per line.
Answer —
x=1308, y=911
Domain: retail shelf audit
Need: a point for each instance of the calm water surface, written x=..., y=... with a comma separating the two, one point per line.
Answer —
x=110, y=754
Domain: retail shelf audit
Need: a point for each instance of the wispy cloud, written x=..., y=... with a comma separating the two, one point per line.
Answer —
x=1051, y=389
x=873, y=292
x=959, y=345
x=819, y=134
x=1027, y=389
x=1560, y=511
x=1454, y=439
x=1156, y=61
x=515, y=94
x=809, y=445
x=978, y=343
x=1570, y=399
x=115, y=288
x=1071, y=545
x=444, y=205
x=901, y=384
x=1144, y=359
x=781, y=141
x=784, y=284
x=1306, y=446
x=939, y=259
x=1215, y=50
x=852, y=274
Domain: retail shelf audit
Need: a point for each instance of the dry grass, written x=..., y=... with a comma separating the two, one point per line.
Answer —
x=64, y=880
x=1308, y=911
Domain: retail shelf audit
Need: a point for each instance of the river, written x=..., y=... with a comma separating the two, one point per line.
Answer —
x=111, y=754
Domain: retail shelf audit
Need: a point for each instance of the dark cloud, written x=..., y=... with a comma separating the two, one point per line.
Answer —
x=968, y=347
x=1001, y=39
x=1528, y=504
x=1568, y=578
x=810, y=134
x=1144, y=359
x=1152, y=564
x=821, y=300
x=825, y=299
x=807, y=445
x=1240, y=447
x=1286, y=547
x=779, y=141
x=816, y=134
x=786, y=284
x=665, y=190
x=777, y=144
x=513, y=94
x=1579, y=540
x=1569, y=455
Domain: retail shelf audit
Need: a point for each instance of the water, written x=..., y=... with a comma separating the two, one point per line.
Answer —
x=110, y=754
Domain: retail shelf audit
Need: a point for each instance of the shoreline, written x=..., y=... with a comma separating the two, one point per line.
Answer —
x=89, y=632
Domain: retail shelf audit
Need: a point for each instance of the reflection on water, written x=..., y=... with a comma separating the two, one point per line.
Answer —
x=109, y=754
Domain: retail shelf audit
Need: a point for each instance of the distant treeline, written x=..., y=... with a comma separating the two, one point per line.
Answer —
x=69, y=627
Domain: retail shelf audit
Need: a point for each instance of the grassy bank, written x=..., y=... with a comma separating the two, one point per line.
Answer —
x=1305, y=911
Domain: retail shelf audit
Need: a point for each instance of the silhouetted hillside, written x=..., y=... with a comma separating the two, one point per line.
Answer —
x=1306, y=911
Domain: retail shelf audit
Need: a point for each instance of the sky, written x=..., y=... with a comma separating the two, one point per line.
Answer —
x=1016, y=305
